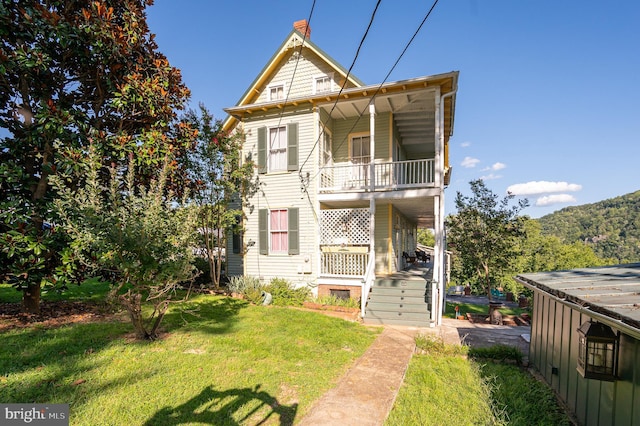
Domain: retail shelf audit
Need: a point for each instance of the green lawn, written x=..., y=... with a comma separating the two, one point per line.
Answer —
x=442, y=387
x=221, y=361
x=91, y=290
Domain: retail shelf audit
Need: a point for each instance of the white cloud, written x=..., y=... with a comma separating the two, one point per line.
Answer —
x=495, y=167
x=465, y=144
x=547, y=200
x=542, y=187
x=469, y=162
x=490, y=176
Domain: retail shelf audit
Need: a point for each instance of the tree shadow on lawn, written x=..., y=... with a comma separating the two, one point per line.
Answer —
x=218, y=408
x=62, y=361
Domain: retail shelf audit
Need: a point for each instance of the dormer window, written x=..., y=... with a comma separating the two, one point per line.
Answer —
x=276, y=92
x=322, y=83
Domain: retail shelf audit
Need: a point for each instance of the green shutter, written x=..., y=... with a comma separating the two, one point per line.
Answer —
x=262, y=150
x=292, y=146
x=237, y=236
x=263, y=231
x=293, y=231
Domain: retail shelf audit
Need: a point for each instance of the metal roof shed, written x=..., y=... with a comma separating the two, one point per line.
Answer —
x=563, y=302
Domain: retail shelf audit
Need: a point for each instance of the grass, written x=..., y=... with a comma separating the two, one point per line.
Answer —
x=221, y=361
x=90, y=290
x=443, y=386
x=478, y=309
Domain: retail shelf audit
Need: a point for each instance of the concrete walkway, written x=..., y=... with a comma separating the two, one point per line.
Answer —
x=365, y=394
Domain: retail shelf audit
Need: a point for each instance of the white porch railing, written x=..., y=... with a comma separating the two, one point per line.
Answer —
x=387, y=176
x=367, y=283
x=344, y=264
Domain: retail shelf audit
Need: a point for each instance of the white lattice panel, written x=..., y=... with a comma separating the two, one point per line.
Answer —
x=345, y=226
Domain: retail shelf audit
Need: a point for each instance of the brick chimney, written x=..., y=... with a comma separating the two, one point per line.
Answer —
x=303, y=28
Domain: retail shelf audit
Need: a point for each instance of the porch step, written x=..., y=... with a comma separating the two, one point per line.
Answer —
x=399, y=302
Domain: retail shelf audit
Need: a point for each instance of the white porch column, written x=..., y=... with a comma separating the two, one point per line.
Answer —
x=372, y=146
x=438, y=208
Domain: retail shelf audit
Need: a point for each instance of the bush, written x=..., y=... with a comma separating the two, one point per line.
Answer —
x=249, y=287
x=286, y=294
x=332, y=300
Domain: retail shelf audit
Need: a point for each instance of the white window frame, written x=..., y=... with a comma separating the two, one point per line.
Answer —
x=359, y=159
x=276, y=86
x=283, y=233
x=318, y=77
x=277, y=155
x=326, y=147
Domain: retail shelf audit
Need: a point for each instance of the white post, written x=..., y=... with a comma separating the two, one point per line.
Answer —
x=372, y=146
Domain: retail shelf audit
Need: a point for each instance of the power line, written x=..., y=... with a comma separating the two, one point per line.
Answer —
x=295, y=68
x=346, y=79
x=378, y=88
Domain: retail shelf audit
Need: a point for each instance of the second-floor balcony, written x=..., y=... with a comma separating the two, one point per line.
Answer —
x=387, y=176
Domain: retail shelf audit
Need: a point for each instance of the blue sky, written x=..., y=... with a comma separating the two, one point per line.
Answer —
x=548, y=105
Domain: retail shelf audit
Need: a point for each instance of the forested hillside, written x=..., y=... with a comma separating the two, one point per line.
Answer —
x=611, y=227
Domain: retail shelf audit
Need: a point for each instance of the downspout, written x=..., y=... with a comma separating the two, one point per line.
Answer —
x=439, y=237
x=625, y=328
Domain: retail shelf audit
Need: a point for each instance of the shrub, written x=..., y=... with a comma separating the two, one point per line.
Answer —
x=250, y=287
x=332, y=300
x=286, y=294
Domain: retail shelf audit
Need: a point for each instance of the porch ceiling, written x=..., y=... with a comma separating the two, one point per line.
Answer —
x=413, y=114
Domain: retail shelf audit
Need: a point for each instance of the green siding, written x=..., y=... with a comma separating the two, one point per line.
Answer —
x=554, y=343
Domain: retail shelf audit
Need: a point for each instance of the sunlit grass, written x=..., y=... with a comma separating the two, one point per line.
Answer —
x=219, y=361
x=442, y=386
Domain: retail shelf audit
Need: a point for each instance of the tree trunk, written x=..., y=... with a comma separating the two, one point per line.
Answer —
x=133, y=305
x=31, y=299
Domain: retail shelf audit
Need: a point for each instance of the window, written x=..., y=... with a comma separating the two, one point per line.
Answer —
x=278, y=237
x=322, y=84
x=360, y=150
x=278, y=231
x=277, y=148
x=327, y=156
x=361, y=158
x=276, y=92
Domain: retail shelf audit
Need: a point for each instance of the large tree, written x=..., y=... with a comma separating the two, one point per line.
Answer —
x=483, y=234
x=222, y=186
x=72, y=73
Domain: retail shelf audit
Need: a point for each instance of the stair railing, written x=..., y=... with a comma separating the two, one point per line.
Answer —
x=367, y=282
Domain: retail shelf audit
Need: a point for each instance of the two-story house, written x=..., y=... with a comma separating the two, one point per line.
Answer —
x=347, y=174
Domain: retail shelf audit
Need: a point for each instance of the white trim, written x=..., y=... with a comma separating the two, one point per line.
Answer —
x=274, y=86
x=314, y=82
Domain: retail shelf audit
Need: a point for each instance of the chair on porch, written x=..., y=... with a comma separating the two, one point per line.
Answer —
x=423, y=256
x=407, y=258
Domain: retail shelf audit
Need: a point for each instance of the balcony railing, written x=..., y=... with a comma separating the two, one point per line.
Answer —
x=387, y=176
x=344, y=264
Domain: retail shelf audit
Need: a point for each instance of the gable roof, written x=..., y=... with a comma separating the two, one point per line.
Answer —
x=291, y=42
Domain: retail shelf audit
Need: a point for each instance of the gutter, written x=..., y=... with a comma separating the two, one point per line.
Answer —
x=611, y=322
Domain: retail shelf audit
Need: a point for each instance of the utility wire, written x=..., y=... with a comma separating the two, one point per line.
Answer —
x=295, y=68
x=379, y=86
x=373, y=14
